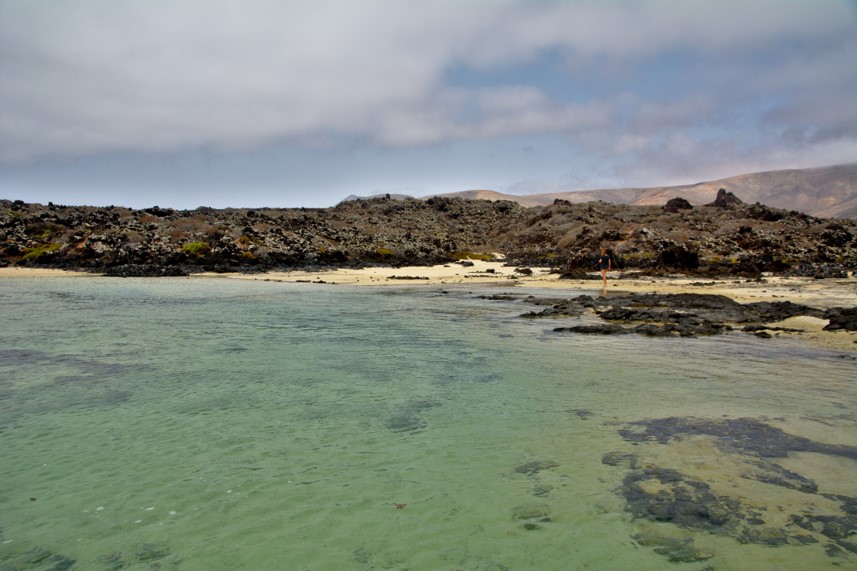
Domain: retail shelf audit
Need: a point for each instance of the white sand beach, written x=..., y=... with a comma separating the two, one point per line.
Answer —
x=816, y=293
x=21, y=272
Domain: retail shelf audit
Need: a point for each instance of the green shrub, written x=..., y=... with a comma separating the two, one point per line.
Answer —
x=385, y=252
x=198, y=249
x=33, y=254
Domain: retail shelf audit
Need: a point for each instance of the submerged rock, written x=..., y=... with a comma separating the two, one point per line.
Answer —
x=532, y=515
x=405, y=422
x=664, y=494
x=667, y=495
x=739, y=434
x=532, y=510
x=623, y=459
x=534, y=467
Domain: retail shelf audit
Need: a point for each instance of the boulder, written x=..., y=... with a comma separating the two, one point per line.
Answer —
x=677, y=204
x=841, y=318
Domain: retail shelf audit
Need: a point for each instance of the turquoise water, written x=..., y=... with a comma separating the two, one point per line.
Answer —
x=204, y=424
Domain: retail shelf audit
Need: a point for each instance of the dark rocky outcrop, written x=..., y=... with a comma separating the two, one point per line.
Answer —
x=605, y=329
x=684, y=314
x=677, y=257
x=841, y=318
x=727, y=237
x=726, y=199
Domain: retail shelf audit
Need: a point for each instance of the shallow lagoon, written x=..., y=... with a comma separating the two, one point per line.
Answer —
x=201, y=424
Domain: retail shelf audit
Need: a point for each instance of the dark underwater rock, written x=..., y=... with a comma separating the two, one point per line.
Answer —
x=405, y=422
x=667, y=495
x=622, y=459
x=741, y=434
x=582, y=414
x=533, y=515
x=677, y=550
x=678, y=499
x=534, y=467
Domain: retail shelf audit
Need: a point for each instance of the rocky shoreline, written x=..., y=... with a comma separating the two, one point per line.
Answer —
x=726, y=237
x=687, y=315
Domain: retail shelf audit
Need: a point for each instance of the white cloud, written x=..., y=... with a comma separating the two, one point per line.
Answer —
x=83, y=77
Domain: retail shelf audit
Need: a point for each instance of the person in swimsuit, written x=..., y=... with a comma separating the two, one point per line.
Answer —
x=605, y=263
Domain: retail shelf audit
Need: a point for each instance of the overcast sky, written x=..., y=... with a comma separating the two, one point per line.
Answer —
x=187, y=103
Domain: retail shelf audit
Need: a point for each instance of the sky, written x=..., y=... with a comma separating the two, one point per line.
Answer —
x=288, y=103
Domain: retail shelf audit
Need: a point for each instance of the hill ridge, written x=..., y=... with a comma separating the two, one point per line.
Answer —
x=828, y=192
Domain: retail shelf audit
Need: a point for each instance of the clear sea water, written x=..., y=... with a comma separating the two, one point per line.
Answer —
x=213, y=424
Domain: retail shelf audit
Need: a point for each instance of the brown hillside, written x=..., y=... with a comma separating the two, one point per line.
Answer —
x=829, y=192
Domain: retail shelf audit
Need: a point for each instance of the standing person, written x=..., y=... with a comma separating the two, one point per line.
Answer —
x=605, y=263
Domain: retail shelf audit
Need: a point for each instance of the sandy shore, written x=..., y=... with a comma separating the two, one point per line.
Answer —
x=821, y=294
x=16, y=272
x=816, y=293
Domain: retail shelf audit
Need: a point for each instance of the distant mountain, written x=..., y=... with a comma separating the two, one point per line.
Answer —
x=829, y=192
